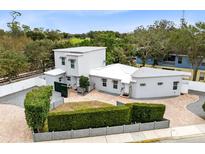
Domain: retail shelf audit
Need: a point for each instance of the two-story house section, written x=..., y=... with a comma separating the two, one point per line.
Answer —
x=176, y=62
x=71, y=63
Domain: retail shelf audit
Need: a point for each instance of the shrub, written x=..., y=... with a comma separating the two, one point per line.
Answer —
x=143, y=112
x=84, y=82
x=90, y=118
x=37, y=105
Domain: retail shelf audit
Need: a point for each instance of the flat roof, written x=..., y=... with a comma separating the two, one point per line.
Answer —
x=54, y=72
x=115, y=71
x=82, y=49
x=145, y=72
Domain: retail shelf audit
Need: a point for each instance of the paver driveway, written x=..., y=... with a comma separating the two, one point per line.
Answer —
x=176, y=107
x=13, y=127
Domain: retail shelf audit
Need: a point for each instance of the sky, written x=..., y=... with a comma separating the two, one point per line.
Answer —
x=85, y=21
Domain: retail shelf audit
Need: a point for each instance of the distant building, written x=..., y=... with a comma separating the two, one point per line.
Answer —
x=176, y=62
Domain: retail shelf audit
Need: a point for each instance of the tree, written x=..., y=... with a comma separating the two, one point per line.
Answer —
x=84, y=82
x=190, y=40
x=12, y=63
x=14, y=25
x=39, y=54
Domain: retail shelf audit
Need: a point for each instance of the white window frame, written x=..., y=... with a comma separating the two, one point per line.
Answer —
x=175, y=85
x=72, y=63
x=62, y=60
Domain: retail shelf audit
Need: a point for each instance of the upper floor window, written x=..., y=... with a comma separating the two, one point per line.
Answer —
x=104, y=82
x=115, y=84
x=63, y=60
x=142, y=84
x=160, y=83
x=72, y=63
x=179, y=59
x=175, y=85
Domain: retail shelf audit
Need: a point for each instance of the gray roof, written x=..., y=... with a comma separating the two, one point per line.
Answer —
x=79, y=49
x=144, y=72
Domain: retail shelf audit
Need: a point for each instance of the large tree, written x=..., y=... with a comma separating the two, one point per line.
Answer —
x=12, y=63
x=190, y=40
x=39, y=54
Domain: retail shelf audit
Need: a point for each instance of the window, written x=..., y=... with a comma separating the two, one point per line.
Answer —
x=72, y=63
x=115, y=84
x=142, y=84
x=63, y=60
x=179, y=60
x=68, y=78
x=60, y=79
x=201, y=77
x=160, y=83
x=175, y=85
x=104, y=82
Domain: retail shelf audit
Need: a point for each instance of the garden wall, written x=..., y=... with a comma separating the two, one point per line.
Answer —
x=60, y=135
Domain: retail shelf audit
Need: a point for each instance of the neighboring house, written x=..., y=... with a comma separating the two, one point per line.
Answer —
x=176, y=62
x=71, y=63
x=137, y=82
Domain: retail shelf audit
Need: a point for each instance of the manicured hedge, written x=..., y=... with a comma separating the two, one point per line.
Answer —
x=144, y=112
x=91, y=118
x=37, y=105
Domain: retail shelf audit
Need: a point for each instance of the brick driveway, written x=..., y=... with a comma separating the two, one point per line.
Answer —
x=176, y=107
x=13, y=127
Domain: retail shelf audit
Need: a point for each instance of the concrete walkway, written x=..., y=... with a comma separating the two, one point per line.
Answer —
x=169, y=133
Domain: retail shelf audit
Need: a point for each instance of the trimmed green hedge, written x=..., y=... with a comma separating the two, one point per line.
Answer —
x=91, y=118
x=143, y=112
x=37, y=105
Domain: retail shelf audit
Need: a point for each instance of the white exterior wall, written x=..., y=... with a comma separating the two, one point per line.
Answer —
x=97, y=81
x=72, y=71
x=91, y=60
x=152, y=89
x=51, y=79
x=58, y=63
x=21, y=85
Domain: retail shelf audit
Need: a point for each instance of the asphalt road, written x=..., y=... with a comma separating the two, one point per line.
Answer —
x=196, y=107
x=196, y=139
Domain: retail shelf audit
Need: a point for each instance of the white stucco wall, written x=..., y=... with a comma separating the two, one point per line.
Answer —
x=91, y=60
x=197, y=86
x=152, y=89
x=51, y=79
x=21, y=85
x=109, y=88
x=57, y=59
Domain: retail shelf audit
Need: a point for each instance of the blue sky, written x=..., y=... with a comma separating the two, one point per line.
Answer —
x=84, y=21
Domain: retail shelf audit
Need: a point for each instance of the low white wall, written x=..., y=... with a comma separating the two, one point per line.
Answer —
x=197, y=86
x=21, y=85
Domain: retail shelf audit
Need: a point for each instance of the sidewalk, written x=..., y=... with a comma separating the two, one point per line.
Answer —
x=176, y=132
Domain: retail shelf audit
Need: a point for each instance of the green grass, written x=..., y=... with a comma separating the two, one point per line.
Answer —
x=76, y=106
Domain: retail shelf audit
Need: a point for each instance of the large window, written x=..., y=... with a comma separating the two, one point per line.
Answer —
x=175, y=85
x=115, y=84
x=72, y=63
x=63, y=60
x=104, y=82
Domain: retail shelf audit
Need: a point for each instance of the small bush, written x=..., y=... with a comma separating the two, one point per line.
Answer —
x=37, y=105
x=143, y=112
x=90, y=118
x=84, y=82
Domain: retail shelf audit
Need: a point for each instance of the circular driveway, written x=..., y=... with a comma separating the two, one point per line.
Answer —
x=13, y=127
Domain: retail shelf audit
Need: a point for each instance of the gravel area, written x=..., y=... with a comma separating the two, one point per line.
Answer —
x=13, y=127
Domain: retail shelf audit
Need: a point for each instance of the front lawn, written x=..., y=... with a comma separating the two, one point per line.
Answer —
x=83, y=105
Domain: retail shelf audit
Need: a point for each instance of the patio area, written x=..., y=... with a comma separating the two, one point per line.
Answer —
x=176, y=107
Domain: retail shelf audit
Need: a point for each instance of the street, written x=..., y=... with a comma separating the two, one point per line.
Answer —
x=195, y=139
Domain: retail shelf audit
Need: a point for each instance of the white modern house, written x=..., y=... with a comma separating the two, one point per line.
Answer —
x=71, y=63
